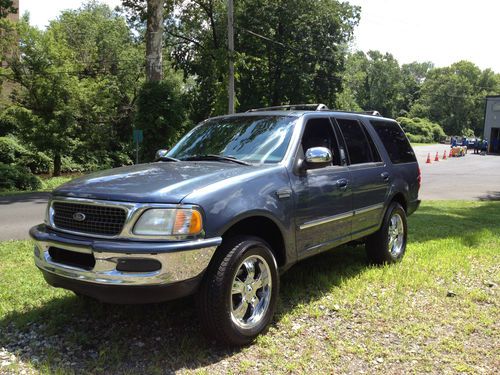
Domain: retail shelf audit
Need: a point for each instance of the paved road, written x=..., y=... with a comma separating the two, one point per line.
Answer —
x=20, y=212
x=469, y=177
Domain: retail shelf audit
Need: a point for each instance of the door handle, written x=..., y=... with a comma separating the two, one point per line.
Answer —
x=385, y=176
x=342, y=183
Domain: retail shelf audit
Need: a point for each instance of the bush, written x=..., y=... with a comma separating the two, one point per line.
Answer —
x=15, y=177
x=421, y=130
x=11, y=152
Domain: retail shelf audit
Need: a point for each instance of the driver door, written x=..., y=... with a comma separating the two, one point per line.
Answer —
x=322, y=195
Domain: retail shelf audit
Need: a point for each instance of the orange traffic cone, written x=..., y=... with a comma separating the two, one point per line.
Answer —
x=437, y=157
x=444, y=155
x=428, y=158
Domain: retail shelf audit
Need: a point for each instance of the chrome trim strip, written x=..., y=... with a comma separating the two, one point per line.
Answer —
x=329, y=219
x=134, y=211
x=368, y=209
x=325, y=220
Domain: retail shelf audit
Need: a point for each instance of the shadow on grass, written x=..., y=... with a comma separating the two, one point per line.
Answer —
x=71, y=334
x=465, y=223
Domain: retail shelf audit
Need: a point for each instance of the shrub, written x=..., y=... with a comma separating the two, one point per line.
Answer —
x=10, y=150
x=421, y=130
x=15, y=177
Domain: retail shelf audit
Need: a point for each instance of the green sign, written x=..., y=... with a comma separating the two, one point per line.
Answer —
x=138, y=135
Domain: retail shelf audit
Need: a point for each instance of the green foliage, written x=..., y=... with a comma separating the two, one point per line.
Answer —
x=454, y=97
x=161, y=114
x=293, y=54
x=421, y=130
x=15, y=177
x=78, y=82
x=11, y=152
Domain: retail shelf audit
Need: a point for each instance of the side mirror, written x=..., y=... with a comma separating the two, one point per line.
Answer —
x=160, y=154
x=317, y=157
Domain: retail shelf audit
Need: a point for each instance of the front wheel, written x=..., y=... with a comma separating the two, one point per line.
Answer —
x=238, y=295
x=388, y=244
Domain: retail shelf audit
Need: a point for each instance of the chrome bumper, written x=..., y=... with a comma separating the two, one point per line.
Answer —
x=180, y=261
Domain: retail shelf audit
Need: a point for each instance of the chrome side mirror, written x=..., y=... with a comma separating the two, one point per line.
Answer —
x=160, y=154
x=317, y=157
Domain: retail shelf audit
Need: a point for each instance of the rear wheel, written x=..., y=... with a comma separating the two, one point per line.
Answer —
x=238, y=296
x=388, y=244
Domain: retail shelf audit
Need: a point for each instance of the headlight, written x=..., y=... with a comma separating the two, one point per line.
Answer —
x=169, y=222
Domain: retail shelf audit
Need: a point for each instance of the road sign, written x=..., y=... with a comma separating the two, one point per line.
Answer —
x=138, y=135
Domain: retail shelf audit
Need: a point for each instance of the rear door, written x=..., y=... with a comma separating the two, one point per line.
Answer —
x=369, y=177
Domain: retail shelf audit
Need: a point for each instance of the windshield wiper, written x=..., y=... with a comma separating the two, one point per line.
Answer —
x=216, y=157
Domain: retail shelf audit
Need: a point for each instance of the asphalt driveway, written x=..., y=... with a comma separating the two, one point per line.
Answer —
x=473, y=177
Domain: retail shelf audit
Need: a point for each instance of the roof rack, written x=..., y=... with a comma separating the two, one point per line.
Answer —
x=293, y=107
x=371, y=113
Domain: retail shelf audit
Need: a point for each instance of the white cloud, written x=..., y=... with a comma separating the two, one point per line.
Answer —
x=42, y=11
x=443, y=31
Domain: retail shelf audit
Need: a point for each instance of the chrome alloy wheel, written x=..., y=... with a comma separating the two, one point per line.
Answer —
x=250, y=292
x=396, y=235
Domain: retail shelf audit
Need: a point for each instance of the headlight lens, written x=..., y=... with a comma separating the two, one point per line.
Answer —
x=169, y=222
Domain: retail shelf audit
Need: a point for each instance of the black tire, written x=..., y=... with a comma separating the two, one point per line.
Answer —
x=378, y=244
x=215, y=298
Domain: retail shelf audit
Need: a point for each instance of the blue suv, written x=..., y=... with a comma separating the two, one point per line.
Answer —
x=236, y=202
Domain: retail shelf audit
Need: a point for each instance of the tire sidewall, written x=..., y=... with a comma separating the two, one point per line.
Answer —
x=249, y=248
x=395, y=208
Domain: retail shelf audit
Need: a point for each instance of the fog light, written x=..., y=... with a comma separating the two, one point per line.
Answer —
x=138, y=265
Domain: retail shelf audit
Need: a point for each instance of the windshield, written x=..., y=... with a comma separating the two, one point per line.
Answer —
x=254, y=139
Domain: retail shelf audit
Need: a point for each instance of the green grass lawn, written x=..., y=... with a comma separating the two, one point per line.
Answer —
x=435, y=312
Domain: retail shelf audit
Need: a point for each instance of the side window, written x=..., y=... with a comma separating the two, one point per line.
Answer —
x=358, y=147
x=319, y=133
x=394, y=141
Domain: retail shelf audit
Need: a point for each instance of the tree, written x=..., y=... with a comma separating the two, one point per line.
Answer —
x=78, y=82
x=6, y=8
x=454, y=97
x=375, y=80
x=151, y=11
x=294, y=54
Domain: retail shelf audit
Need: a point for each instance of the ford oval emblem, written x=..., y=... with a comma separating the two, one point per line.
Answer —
x=78, y=216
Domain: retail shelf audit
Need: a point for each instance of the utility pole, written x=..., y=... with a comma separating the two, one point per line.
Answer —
x=230, y=43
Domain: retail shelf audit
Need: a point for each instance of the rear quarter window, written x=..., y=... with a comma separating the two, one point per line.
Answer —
x=394, y=140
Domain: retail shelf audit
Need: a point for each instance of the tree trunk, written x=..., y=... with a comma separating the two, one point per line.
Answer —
x=154, y=38
x=57, y=165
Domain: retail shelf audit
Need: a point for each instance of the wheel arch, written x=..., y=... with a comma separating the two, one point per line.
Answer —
x=261, y=226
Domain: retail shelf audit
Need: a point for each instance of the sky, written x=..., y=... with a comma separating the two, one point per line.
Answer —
x=440, y=31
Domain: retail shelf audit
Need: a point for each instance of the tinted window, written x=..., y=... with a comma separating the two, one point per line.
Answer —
x=256, y=139
x=395, y=141
x=358, y=147
x=319, y=133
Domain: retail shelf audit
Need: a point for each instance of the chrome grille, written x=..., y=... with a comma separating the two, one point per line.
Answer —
x=100, y=220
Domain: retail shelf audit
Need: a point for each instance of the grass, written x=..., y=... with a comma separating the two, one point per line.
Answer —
x=48, y=184
x=435, y=312
x=423, y=144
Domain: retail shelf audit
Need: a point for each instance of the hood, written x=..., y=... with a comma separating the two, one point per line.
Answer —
x=160, y=182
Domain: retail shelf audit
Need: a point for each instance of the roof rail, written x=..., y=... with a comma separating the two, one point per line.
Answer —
x=371, y=113
x=292, y=107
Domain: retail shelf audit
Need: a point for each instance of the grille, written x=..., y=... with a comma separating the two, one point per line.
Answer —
x=101, y=220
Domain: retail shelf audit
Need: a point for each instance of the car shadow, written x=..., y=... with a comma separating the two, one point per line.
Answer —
x=75, y=334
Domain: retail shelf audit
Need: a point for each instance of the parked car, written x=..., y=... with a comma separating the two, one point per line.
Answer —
x=238, y=201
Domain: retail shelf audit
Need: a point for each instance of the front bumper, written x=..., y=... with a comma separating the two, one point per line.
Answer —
x=182, y=265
